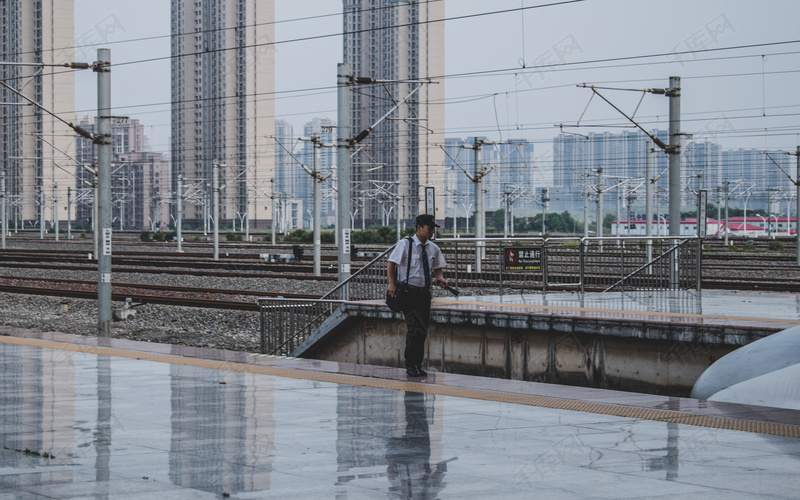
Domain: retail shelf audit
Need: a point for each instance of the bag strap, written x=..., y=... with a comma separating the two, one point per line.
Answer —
x=408, y=265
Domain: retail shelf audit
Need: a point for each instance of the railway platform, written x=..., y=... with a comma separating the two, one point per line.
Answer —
x=84, y=417
x=646, y=341
x=730, y=310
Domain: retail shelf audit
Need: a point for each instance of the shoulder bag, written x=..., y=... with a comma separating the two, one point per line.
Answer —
x=402, y=294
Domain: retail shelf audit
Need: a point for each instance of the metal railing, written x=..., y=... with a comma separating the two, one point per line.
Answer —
x=580, y=264
x=572, y=263
x=286, y=323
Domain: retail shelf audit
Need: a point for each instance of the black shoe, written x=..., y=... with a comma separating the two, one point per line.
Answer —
x=422, y=373
x=413, y=371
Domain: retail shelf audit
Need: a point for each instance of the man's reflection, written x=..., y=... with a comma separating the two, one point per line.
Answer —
x=408, y=457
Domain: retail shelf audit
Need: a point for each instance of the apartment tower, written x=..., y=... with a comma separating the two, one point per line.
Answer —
x=401, y=45
x=36, y=32
x=222, y=106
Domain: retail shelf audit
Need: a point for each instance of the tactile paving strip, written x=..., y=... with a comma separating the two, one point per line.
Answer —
x=716, y=422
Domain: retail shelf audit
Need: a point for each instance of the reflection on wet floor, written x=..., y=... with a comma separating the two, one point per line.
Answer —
x=84, y=425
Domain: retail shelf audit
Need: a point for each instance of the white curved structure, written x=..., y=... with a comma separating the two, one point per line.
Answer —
x=765, y=372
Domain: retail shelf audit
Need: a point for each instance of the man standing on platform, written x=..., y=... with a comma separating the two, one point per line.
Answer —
x=426, y=257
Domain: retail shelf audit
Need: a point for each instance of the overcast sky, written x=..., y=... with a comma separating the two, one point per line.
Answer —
x=744, y=97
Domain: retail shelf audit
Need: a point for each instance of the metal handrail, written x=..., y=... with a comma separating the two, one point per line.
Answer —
x=566, y=263
x=343, y=286
x=648, y=265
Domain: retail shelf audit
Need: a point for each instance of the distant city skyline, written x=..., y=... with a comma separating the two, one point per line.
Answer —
x=734, y=95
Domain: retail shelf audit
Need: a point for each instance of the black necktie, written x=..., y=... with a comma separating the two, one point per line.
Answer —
x=426, y=268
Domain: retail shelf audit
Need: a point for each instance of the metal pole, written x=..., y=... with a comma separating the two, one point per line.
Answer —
x=505, y=213
x=69, y=213
x=480, y=213
x=675, y=156
x=103, y=141
x=215, y=194
x=674, y=93
x=95, y=226
x=344, y=143
x=247, y=214
x=55, y=207
x=545, y=199
x=3, y=221
x=399, y=204
x=586, y=204
x=179, y=212
x=274, y=205
x=648, y=175
x=316, y=141
x=599, y=231
x=797, y=209
x=619, y=213
x=41, y=212
x=727, y=195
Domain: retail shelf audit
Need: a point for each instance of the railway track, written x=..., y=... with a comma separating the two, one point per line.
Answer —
x=723, y=269
x=142, y=293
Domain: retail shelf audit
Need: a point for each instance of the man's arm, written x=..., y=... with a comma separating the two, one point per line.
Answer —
x=391, y=273
x=439, y=274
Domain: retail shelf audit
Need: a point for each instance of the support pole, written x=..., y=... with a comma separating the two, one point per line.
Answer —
x=69, y=213
x=344, y=143
x=3, y=218
x=648, y=189
x=95, y=226
x=103, y=141
x=619, y=214
x=600, y=209
x=179, y=212
x=727, y=197
x=586, y=204
x=674, y=93
x=506, y=194
x=41, y=212
x=317, y=142
x=599, y=217
x=399, y=204
x=215, y=195
x=55, y=208
x=480, y=212
x=274, y=206
x=545, y=199
x=797, y=210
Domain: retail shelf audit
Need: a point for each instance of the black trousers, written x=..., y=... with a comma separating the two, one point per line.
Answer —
x=418, y=317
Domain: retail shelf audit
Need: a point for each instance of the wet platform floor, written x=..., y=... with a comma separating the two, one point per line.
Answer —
x=83, y=417
x=713, y=308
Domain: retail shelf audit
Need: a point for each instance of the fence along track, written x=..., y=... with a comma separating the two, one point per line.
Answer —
x=565, y=263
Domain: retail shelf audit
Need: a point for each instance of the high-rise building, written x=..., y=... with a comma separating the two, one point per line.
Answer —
x=139, y=179
x=222, y=104
x=36, y=32
x=512, y=174
x=622, y=158
x=325, y=128
x=399, y=44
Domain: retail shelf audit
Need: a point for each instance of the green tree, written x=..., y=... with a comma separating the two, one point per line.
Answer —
x=607, y=220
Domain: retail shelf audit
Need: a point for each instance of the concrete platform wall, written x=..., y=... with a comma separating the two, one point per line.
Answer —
x=642, y=357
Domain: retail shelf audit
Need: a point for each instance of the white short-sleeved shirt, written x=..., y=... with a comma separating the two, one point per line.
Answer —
x=416, y=276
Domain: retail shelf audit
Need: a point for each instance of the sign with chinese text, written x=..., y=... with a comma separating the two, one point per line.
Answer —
x=522, y=259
